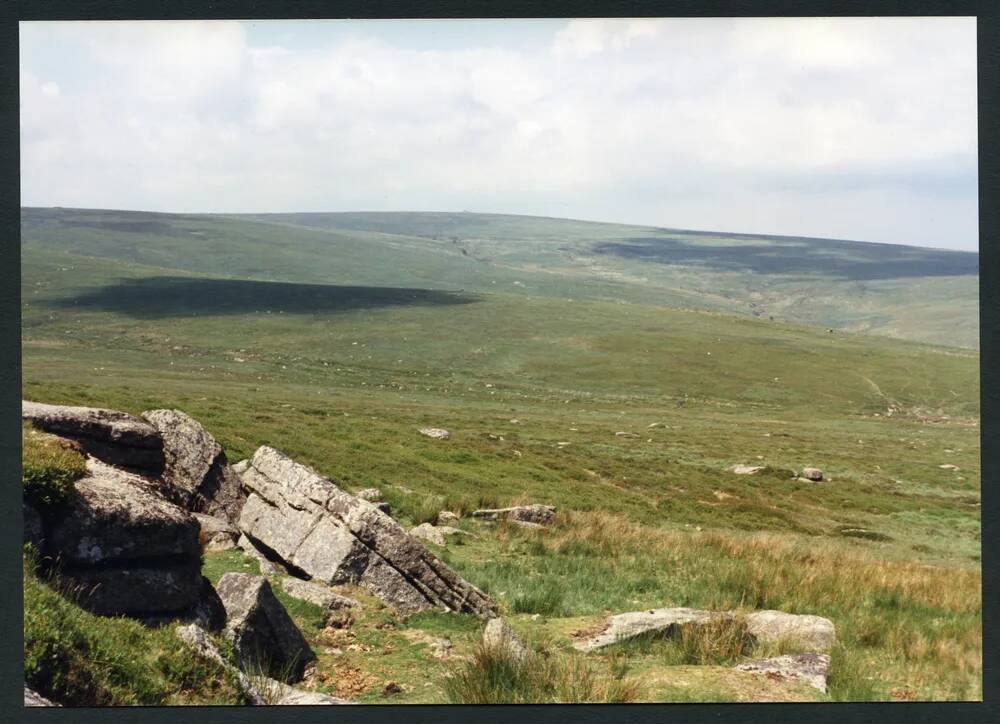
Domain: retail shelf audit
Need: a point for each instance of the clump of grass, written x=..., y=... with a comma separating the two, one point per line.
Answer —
x=545, y=599
x=77, y=658
x=722, y=641
x=495, y=677
x=50, y=466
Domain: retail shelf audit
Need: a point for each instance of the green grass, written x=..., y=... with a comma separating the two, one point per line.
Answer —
x=533, y=388
x=49, y=466
x=78, y=659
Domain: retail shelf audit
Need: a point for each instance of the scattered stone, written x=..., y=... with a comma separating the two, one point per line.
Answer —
x=196, y=468
x=111, y=436
x=446, y=516
x=536, y=514
x=317, y=594
x=808, y=633
x=261, y=631
x=500, y=638
x=440, y=648
x=746, y=469
x=435, y=534
x=372, y=495
x=438, y=433
x=814, y=475
x=949, y=466
x=630, y=435
x=128, y=551
x=810, y=668
x=651, y=425
x=216, y=534
x=32, y=698
x=333, y=537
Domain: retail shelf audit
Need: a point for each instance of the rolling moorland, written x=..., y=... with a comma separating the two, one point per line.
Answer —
x=335, y=337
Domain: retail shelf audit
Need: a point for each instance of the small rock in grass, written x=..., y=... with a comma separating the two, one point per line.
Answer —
x=370, y=494
x=437, y=433
x=812, y=474
x=500, y=638
x=746, y=469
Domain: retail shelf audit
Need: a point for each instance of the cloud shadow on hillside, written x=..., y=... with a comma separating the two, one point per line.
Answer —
x=857, y=262
x=169, y=296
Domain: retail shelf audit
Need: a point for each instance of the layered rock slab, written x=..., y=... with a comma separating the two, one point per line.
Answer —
x=111, y=436
x=335, y=537
x=123, y=548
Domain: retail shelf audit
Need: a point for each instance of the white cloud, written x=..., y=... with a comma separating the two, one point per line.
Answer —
x=737, y=116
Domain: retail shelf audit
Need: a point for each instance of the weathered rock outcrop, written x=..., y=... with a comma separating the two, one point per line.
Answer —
x=196, y=469
x=334, y=537
x=810, y=668
x=530, y=514
x=804, y=632
x=125, y=549
x=500, y=638
x=114, y=437
x=262, y=633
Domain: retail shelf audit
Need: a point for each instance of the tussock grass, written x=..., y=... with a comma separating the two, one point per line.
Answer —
x=495, y=677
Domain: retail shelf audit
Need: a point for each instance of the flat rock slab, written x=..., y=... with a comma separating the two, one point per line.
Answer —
x=438, y=433
x=317, y=594
x=216, y=533
x=334, y=537
x=536, y=514
x=810, y=668
x=196, y=467
x=114, y=437
x=262, y=633
x=807, y=633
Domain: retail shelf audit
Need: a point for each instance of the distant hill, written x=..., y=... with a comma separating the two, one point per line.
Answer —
x=927, y=295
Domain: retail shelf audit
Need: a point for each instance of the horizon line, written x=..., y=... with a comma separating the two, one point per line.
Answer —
x=528, y=216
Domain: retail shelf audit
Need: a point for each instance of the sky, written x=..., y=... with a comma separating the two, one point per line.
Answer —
x=854, y=128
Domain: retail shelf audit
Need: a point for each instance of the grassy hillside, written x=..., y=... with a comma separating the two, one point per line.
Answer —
x=337, y=357
x=922, y=294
